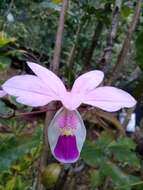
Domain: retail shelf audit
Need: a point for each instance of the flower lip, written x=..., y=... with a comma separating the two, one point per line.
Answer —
x=66, y=146
x=66, y=149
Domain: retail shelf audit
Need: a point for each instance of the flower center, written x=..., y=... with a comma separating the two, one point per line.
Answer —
x=68, y=123
x=67, y=131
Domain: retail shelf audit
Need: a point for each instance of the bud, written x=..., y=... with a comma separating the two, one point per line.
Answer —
x=50, y=175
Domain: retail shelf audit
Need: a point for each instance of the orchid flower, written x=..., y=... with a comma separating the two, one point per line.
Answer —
x=2, y=93
x=66, y=132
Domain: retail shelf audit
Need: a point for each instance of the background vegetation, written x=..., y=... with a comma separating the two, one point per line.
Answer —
x=103, y=34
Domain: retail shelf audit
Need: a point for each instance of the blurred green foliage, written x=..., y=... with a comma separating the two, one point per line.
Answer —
x=115, y=162
x=139, y=49
x=27, y=32
x=19, y=151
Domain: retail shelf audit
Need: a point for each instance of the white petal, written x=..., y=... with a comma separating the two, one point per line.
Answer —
x=87, y=82
x=52, y=81
x=29, y=90
x=109, y=98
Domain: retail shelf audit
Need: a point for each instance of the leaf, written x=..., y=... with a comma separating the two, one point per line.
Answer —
x=11, y=184
x=124, y=151
x=136, y=182
x=104, y=139
x=124, y=142
x=95, y=154
x=97, y=4
x=119, y=178
x=4, y=40
x=125, y=11
x=5, y=60
x=13, y=148
x=4, y=110
x=127, y=157
x=50, y=5
x=91, y=154
x=57, y=1
x=1, y=187
x=15, y=183
x=16, y=53
x=96, y=178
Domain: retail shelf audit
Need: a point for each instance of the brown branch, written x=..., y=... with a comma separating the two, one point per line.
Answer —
x=56, y=58
x=49, y=115
x=126, y=44
x=89, y=52
x=5, y=129
x=107, y=54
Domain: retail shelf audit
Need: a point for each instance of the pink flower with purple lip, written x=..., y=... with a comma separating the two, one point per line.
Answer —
x=66, y=133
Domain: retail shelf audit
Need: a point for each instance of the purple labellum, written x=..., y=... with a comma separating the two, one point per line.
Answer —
x=66, y=148
x=66, y=135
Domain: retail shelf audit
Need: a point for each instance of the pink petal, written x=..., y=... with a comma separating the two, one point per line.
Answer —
x=71, y=101
x=109, y=99
x=2, y=93
x=66, y=148
x=53, y=82
x=29, y=90
x=87, y=82
x=82, y=85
